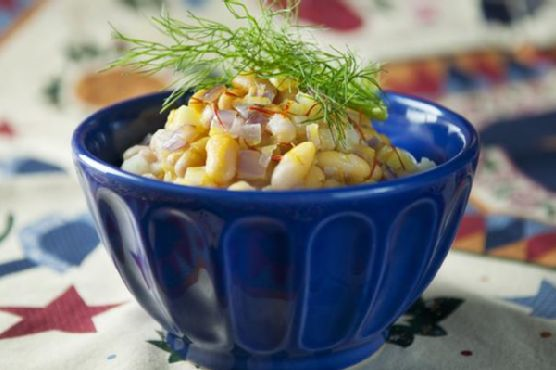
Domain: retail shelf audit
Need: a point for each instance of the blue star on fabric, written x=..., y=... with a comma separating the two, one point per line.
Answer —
x=543, y=303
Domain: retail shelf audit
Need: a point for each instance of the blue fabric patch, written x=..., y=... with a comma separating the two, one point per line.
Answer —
x=458, y=80
x=58, y=243
x=27, y=165
x=543, y=304
x=11, y=267
x=532, y=228
x=502, y=230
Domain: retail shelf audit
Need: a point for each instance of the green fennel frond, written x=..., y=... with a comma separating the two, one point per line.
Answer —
x=205, y=53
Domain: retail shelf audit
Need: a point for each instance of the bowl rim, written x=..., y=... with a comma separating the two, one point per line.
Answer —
x=467, y=154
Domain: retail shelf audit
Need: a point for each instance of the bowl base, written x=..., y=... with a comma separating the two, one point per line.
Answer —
x=235, y=360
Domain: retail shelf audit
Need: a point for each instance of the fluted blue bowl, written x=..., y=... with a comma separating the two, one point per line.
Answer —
x=278, y=280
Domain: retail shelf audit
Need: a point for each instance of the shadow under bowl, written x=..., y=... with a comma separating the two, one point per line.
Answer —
x=308, y=279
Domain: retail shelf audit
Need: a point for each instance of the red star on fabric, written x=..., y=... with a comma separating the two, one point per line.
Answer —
x=68, y=313
x=7, y=4
x=5, y=128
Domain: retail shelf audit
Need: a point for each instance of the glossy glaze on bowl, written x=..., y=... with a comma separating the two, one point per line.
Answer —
x=278, y=280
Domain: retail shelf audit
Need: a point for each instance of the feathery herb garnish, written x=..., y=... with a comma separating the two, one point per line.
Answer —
x=206, y=53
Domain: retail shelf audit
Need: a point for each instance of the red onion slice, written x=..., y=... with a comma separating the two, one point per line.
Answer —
x=389, y=174
x=251, y=133
x=249, y=166
x=237, y=125
x=374, y=142
x=266, y=90
x=266, y=155
x=213, y=94
x=243, y=110
x=255, y=116
x=223, y=119
x=207, y=115
x=177, y=140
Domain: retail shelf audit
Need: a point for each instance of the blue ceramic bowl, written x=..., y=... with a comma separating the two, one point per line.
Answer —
x=280, y=280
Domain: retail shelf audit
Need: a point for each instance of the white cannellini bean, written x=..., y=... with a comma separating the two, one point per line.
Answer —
x=133, y=151
x=136, y=164
x=241, y=186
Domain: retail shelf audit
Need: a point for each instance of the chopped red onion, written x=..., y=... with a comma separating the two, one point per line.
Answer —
x=243, y=110
x=266, y=155
x=266, y=90
x=237, y=125
x=223, y=119
x=255, y=116
x=374, y=142
x=389, y=174
x=213, y=94
x=176, y=140
x=159, y=139
x=249, y=166
x=207, y=115
x=251, y=133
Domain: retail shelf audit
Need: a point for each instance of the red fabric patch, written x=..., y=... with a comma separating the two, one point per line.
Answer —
x=5, y=128
x=67, y=313
x=541, y=244
x=471, y=225
x=335, y=14
x=8, y=5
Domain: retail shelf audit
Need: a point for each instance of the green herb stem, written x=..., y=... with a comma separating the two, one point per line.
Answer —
x=206, y=53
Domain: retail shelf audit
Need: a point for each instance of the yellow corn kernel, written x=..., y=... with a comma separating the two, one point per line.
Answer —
x=376, y=172
x=191, y=158
x=332, y=183
x=365, y=152
x=315, y=178
x=299, y=109
x=222, y=151
x=182, y=116
x=391, y=157
x=294, y=167
x=196, y=176
x=169, y=176
x=217, y=130
x=368, y=133
x=313, y=134
x=384, y=139
x=227, y=100
x=284, y=83
x=156, y=169
x=409, y=164
x=258, y=100
x=200, y=145
x=315, y=108
x=241, y=186
x=196, y=103
x=243, y=82
x=349, y=167
x=168, y=161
